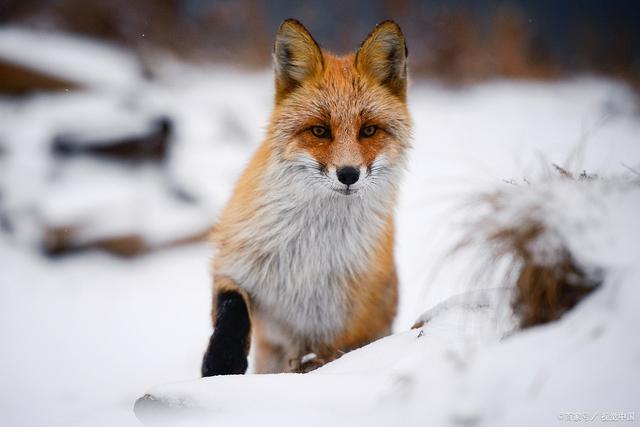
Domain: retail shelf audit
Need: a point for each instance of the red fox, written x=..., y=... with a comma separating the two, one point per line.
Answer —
x=303, y=257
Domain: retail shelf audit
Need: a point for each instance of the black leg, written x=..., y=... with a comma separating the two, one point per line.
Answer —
x=229, y=343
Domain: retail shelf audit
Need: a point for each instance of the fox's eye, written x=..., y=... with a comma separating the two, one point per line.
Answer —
x=320, y=131
x=368, y=131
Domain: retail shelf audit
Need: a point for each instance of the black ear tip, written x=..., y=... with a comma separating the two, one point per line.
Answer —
x=291, y=22
x=387, y=21
x=390, y=24
x=293, y=28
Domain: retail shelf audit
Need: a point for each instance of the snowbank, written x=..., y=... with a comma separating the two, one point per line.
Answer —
x=363, y=387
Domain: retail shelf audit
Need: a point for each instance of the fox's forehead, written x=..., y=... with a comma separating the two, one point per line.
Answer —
x=342, y=97
x=344, y=93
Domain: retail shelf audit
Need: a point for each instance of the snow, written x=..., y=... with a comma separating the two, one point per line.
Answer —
x=129, y=201
x=84, y=336
x=347, y=391
x=76, y=60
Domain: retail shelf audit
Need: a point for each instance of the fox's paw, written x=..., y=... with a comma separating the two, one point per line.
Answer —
x=229, y=344
x=307, y=363
x=220, y=361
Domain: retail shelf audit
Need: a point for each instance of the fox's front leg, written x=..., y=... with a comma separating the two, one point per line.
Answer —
x=229, y=344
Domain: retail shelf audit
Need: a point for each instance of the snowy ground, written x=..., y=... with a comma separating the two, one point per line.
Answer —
x=86, y=335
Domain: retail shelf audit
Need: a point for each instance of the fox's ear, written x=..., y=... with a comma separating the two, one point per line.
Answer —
x=296, y=55
x=383, y=56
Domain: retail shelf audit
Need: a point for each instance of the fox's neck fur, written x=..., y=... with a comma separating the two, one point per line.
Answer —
x=302, y=245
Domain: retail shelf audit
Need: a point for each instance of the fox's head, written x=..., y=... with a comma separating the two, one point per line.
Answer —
x=341, y=123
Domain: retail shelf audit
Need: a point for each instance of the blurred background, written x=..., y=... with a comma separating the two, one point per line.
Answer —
x=123, y=126
x=455, y=40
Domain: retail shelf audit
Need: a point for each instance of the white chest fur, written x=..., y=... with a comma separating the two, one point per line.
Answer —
x=304, y=244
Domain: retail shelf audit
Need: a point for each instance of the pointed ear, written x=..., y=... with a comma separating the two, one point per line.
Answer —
x=296, y=55
x=383, y=56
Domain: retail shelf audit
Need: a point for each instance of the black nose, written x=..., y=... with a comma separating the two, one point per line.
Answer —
x=348, y=175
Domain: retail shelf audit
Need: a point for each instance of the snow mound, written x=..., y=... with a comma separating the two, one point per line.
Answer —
x=381, y=371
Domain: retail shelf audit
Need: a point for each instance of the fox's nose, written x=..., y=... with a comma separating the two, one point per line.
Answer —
x=348, y=175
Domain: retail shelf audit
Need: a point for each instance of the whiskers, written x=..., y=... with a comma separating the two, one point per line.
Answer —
x=309, y=173
x=380, y=173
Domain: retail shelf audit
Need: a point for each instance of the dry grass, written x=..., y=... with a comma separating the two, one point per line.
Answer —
x=60, y=241
x=547, y=278
x=544, y=290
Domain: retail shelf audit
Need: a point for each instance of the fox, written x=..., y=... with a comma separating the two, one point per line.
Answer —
x=303, y=264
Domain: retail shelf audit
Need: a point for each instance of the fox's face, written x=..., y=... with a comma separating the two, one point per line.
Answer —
x=341, y=123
